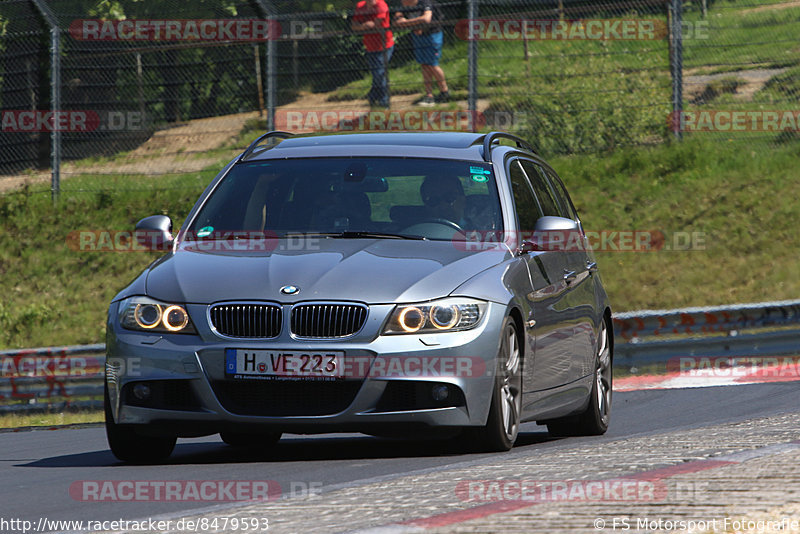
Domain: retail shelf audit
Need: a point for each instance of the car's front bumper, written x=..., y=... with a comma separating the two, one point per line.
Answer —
x=209, y=401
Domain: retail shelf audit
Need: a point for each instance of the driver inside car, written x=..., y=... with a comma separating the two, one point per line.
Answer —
x=444, y=198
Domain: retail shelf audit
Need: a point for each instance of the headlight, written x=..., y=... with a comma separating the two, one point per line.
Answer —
x=446, y=315
x=148, y=315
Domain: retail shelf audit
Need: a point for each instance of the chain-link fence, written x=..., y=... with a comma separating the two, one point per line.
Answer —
x=596, y=75
x=136, y=85
x=741, y=71
x=94, y=93
x=24, y=85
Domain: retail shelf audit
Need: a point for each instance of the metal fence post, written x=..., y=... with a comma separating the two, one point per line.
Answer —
x=472, y=66
x=676, y=65
x=55, y=99
x=269, y=12
x=55, y=95
x=386, y=67
x=259, y=82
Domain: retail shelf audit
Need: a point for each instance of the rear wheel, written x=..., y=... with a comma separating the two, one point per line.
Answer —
x=594, y=420
x=502, y=426
x=251, y=441
x=129, y=446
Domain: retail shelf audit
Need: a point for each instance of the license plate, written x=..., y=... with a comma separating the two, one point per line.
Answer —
x=284, y=364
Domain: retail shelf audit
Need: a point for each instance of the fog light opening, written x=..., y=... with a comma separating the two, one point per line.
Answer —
x=141, y=391
x=440, y=392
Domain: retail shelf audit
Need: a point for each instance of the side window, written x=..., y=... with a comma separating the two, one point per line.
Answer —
x=541, y=190
x=563, y=196
x=528, y=210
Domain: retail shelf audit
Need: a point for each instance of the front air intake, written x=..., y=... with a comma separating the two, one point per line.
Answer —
x=247, y=320
x=325, y=321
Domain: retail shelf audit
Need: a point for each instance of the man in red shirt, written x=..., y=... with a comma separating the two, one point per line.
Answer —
x=374, y=15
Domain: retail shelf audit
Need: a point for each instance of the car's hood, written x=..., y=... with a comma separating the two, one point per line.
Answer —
x=367, y=270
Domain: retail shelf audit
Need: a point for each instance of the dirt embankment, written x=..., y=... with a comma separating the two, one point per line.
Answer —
x=181, y=148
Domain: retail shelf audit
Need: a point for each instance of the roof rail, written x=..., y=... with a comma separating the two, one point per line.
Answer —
x=491, y=137
x=269, y=135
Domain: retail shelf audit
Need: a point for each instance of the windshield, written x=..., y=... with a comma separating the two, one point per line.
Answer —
x=354, y=197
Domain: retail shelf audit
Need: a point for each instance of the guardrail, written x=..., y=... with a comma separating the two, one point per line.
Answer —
x=52, y=378
x=62, y=378
x=655, y=336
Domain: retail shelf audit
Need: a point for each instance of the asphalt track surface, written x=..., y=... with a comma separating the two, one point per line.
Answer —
x=37, y=468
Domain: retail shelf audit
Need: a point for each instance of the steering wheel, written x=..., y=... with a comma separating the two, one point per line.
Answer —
x=420, y=228
x=443, y=222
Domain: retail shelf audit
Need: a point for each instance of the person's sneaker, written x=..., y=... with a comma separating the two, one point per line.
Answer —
x=441, y=98
x=427, y=101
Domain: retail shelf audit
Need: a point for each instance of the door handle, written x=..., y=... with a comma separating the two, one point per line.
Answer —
x=591, y=266
x=570, y=276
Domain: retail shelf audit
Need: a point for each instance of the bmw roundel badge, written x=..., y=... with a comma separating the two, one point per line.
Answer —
x=290, y=290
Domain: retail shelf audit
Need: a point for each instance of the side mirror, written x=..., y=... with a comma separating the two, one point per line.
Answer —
x=553, y=233
x=154, y=232
x=549, y=223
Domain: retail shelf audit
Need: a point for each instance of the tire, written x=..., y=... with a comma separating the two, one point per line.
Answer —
x=595, y=419
x=129, y=446
x=502, y=425
x=250, y=441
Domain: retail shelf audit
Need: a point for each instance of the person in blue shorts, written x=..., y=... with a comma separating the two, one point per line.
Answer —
x=424, y=17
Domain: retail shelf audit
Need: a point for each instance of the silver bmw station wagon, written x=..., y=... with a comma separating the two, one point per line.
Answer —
x=384, y=283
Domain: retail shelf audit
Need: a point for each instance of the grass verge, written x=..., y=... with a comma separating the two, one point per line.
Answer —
x=34, y=421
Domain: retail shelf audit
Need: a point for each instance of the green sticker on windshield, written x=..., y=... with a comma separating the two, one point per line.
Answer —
x=478, y=170
x=205, y=231
x=480, y=178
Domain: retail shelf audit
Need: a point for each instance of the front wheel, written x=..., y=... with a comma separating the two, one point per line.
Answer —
x=127, y=445
x=502, y=426
x=594, y=420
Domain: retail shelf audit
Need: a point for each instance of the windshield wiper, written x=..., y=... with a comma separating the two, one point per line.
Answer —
x=358, y=235
x=234, y=235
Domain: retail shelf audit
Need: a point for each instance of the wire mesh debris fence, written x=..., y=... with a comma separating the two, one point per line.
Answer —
x=101, y=96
